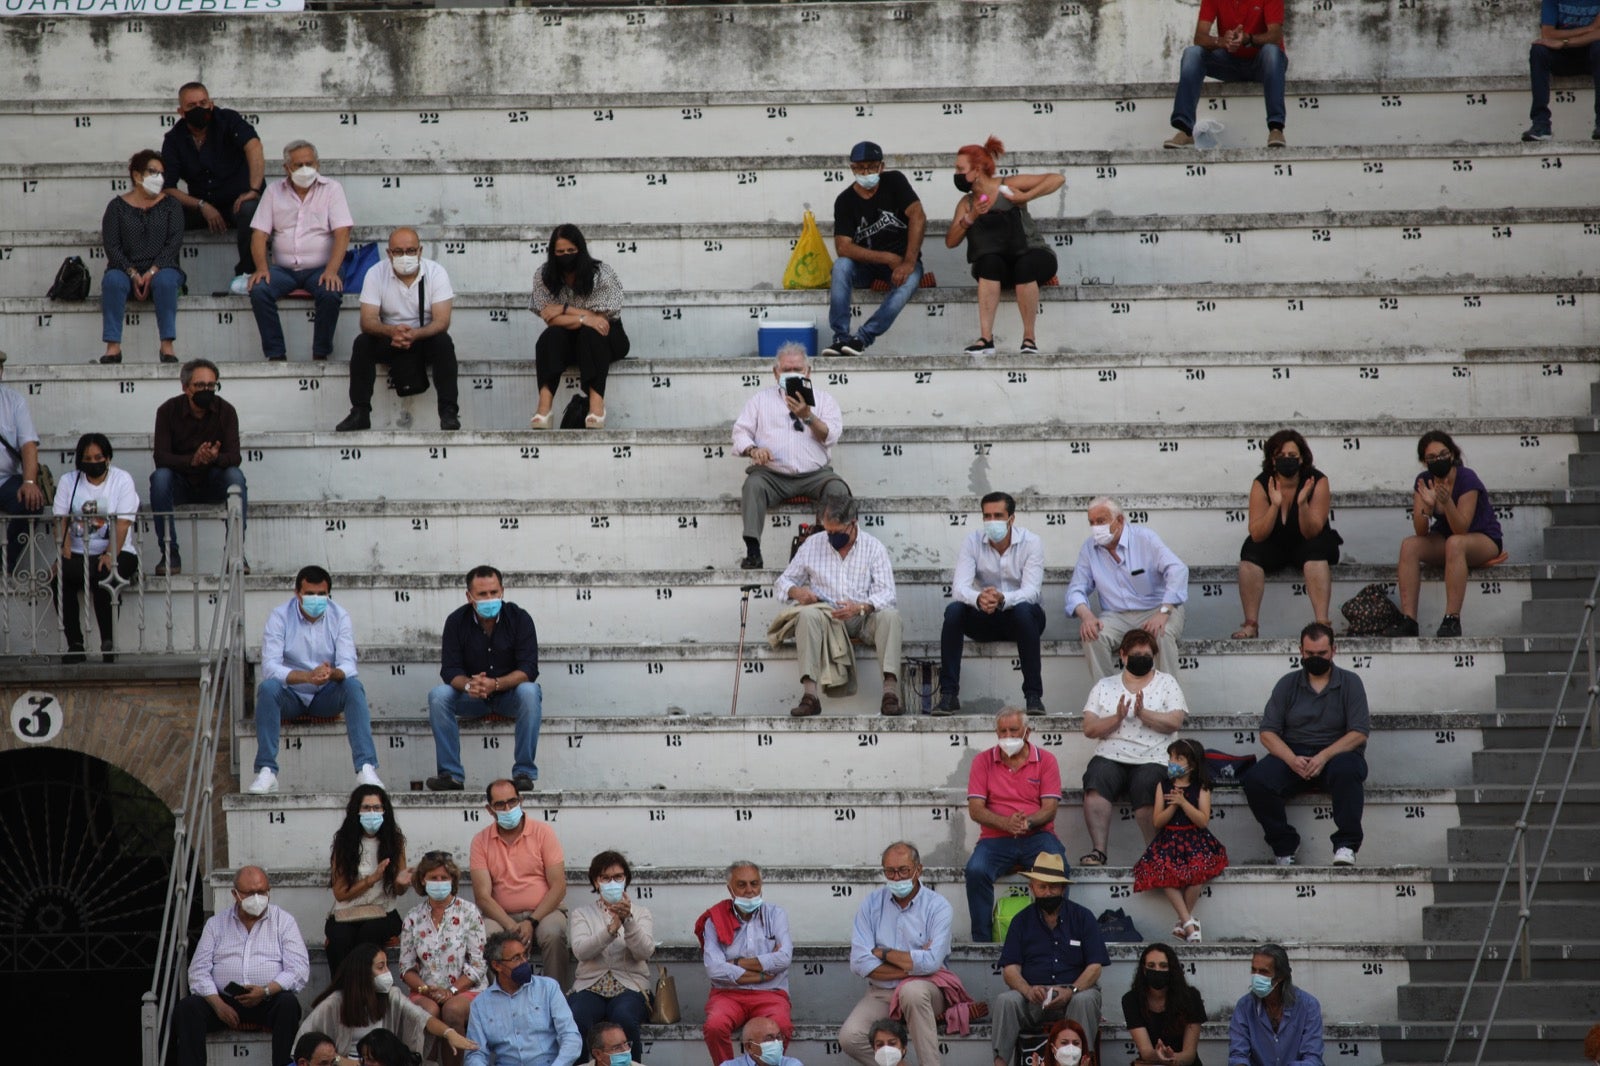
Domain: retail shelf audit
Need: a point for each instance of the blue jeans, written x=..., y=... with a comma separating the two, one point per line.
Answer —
x=525, y=705
x=1268, y=66
x=849, y=275
x=276, y=701
x=169, y=489
x=115, y=288
x=1270, y=781
x=1022, y=623
x=994, y=857
x=17, y=530
x=628, y=1009
x=1542, y=62
x=264, y=301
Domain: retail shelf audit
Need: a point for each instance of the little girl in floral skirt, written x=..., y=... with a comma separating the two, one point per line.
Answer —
x=1184, y=854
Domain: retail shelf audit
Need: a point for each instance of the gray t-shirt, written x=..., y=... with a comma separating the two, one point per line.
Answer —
x=1308, y=720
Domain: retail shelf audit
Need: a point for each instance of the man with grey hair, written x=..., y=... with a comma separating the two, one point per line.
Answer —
x=520, y=1019
x=843, y=584
x=788, y=433
x=1139, y=580
x=1013, y=790
x=1275, y=1023
x=746, y=948
x=901, y=938
x=308, y=221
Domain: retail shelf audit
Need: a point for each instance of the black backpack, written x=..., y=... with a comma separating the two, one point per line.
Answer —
x=72, y=280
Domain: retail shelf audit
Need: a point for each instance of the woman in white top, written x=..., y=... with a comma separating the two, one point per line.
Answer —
x=1133, y=716
x=95, y=506
x=367, y=872
x=362, y=998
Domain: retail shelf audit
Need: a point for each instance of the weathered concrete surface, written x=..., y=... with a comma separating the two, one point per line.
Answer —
x=864, y=46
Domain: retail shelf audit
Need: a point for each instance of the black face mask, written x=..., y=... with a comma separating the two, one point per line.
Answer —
x=94, y=469
x=962, y=184
x=566, y=261
x=197, y=118
x=1139, y=665
x=1049, y=904
x=204, y=399
x=1156, y=979
x=1316, y=665
x=1440, y=468
x=1287, y=465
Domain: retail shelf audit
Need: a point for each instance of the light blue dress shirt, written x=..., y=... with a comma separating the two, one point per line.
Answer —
x=922, y=927
x=1148, y=575
x=765, y=936
x=529, y=1027
x=293, y=643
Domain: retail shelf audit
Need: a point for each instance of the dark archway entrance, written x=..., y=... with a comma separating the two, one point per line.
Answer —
x=84, y=854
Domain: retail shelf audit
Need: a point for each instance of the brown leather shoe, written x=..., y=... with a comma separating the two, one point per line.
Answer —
x=890, y=705
x=809, y=705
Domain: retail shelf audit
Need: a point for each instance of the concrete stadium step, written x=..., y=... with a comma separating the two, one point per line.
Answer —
x=1565, y=998
x=817, y=827
x=1516, y=767
x=1566, y=921
x=1149, y=250
x=771, y=188
x=1510, y=1041
x=1426, y=750
x=1488, y=844
x=1509, y=454
x=1445, y=314
x=1080, y=118
x=605, y=680
x=1440, y=961
x=500, y=393
x=1248, y=904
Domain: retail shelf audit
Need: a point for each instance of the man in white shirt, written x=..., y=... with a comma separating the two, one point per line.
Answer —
x=308, y=222
x=308, y=667
x=996, y=597
x=1140, y=583
x=399, y=329
x=847, y=572
x=19, y=470
x=788, y=433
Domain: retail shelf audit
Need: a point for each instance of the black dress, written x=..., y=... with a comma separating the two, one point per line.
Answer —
x=1182, y=853
x=1167, y=1026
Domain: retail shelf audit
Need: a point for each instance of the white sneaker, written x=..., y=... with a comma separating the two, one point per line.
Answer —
x=1344, y=857
x=266, y=781
x=240, y=285
x=368, y=775
x=1283, y=860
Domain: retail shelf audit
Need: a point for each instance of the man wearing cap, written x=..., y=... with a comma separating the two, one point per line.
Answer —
x=878, y=224
x=19, y=468
x=1051, y=962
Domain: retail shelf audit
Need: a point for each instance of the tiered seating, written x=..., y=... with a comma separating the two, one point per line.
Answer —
x=1365, y=284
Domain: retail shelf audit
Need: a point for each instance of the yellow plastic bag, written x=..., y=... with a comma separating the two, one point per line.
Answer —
x=810, y=267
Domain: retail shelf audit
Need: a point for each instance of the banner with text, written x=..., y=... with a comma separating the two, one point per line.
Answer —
x=55, y=8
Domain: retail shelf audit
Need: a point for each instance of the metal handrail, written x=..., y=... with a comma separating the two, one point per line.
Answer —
x=1519, y=948
x=193, y=853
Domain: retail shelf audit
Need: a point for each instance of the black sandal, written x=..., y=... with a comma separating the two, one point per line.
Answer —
x=1094, y=858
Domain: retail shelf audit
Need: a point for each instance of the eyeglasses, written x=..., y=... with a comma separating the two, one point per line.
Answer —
x=899, y=873
x=799, y=426
x=405, y=251
x=513, y=960
x=1436, y=456
x=505, y=805
x=203, y=386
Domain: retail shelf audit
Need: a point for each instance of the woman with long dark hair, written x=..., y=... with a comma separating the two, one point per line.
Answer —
x=361, y=998
x=95, y=507
x=580, y=300
x=1290, y=502
x=1162, y=1012
x=367, y=872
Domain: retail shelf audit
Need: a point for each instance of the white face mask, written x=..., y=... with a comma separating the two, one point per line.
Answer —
x=1102, y=535
x=384, y=981
x=153, y=183
x=254, y=905
x=888, y=1055
x=304, y=177
x=1069, y=1054
x=1011, y=745
x=783, y=378
x=406, y=265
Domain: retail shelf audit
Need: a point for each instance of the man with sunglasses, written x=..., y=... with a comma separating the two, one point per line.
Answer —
x=788, y=433
x=196, y=455
x=520, y=1020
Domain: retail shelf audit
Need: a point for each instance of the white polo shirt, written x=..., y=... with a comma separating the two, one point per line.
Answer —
x=395, y=300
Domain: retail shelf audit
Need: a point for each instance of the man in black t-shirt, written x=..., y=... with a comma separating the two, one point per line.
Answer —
x=878, y=224
x=217, y=155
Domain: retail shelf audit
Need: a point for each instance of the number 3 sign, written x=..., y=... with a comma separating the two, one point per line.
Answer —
x=36, y=717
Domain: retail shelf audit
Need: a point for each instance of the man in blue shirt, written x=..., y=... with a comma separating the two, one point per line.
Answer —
x=520, y=1019
x=763, y=1046
x=900, y=938
x=1140, y=583
x=746, y=948
x=1051, y=962
x=1275, y=1023
x=489, y=662
x=1568, y=44
x=308, y=667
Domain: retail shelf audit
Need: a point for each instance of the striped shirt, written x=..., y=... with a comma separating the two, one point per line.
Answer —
x=271, y=950
x=766, y=423
x=863, y=576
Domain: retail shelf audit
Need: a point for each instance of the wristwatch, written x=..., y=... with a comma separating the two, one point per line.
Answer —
x=454, y=991
x=1164, y=609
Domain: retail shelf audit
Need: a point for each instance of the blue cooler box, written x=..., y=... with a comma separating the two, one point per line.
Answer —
x=773, y=335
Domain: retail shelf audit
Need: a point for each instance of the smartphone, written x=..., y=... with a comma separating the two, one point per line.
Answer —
x=799, y=387
x=235, y=989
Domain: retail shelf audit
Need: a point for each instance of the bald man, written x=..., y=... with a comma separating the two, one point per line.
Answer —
x=405, y=322
x=764, y=1045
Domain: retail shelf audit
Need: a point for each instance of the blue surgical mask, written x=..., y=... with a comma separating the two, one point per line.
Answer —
x=1260, y=985
x=772, y=1052
x=509, y=820
x=996, y=531
x=747, y=906
x=621, y=1058
x=902, y=889
x=437, y=890
x=868, y=181
x=1176, y=770
x=371, y=821
x=487, y=608
x=611, y=891
x=839, y=541
x=522, y=972
x=314, y=604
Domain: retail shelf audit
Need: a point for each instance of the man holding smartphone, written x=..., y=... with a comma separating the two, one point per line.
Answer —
x=788, y=434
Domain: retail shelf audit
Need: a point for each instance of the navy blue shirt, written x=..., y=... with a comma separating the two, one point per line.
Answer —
x=217, y=170
x=468, y=651
x=1054, y=956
